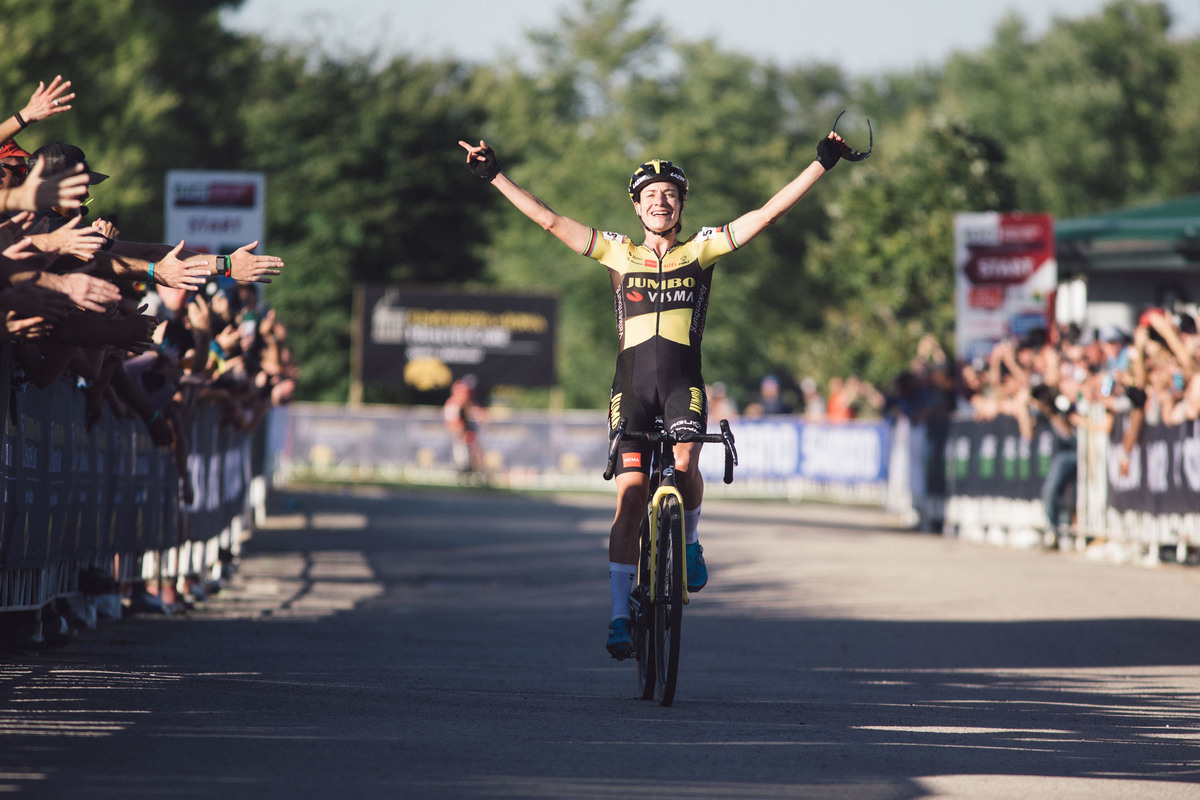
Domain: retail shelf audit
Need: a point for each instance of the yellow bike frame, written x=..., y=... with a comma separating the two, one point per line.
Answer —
x=662, y=492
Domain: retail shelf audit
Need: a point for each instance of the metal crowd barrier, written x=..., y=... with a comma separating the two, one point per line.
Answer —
x=780, y=456
x=979, y=480
x=105, y=501
x=1147, y=513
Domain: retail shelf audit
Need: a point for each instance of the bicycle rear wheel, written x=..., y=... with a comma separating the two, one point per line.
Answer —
x=668, y=609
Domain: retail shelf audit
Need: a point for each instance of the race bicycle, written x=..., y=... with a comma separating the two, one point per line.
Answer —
x=657, y=601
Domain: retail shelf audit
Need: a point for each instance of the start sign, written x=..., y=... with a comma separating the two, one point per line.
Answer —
x=1005, y=273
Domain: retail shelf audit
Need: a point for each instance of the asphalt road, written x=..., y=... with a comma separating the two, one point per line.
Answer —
x=450, y=645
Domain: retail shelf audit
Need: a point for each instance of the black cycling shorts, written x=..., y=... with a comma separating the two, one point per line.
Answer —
x=678, y=399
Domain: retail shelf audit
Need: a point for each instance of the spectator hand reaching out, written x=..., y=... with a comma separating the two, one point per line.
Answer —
x=247, y=267
x=135, y=331
x=29, y=311
x=47, y=101
x=87, y=292
x=20, y=250
x=64, y=190
x=191, y=274
x=71, y=240
x=106, y=229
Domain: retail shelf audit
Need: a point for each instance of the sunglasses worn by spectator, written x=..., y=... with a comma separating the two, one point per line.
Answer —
x=18, y=169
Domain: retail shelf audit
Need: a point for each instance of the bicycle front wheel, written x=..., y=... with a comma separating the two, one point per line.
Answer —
x=641, y=613
x=668, y=608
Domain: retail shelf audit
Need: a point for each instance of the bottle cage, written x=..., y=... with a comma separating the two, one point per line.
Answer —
x=856, y=155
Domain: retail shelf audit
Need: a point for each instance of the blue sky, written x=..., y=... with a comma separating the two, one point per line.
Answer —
x=862, y=36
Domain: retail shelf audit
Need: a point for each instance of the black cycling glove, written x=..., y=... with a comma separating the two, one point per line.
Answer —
x=487, y=169
x=829, y=151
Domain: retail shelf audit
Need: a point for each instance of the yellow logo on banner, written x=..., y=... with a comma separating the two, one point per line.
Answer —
x=427, y=374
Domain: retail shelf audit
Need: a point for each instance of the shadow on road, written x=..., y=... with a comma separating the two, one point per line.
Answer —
x=450, y=646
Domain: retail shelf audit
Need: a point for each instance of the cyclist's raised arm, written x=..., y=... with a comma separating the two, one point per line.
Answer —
x=751, y=224
x=482, y=161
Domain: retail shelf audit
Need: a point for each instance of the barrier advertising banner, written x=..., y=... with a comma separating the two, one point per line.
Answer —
x=426, y=338
x=1005, y=273
x=778, y=448
x=989, y=458
x=70, y=493
x=386, y=439
x=1164, y=470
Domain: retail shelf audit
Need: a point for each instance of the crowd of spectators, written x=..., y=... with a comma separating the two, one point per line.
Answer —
x=1151, y=373
x=923, y=391
x=144, y=331
x=1065, y=377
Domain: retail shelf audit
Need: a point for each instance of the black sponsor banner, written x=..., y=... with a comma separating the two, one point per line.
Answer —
x=1164, y=470
x=73, y=493
x=220, y=468
x=119, y=535
x=33, y=494
x=58, y=455
x=989, y=458
x=426, y=338
x=11, y=483
x=88, y=497
x=70, y=493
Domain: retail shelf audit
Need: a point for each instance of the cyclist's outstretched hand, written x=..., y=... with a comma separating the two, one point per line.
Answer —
x=481, y=160
x=830, y=150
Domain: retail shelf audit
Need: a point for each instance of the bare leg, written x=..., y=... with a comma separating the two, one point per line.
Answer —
x=632, y=491
x=687, y=474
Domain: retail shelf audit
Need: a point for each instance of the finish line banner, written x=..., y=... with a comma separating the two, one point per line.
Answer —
x=426, y=338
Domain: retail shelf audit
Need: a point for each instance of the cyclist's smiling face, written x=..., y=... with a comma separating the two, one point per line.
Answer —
x=659, y=207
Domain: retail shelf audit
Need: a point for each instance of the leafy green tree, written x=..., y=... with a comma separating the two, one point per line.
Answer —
x=366, y=183
x=609, y=96
x=363, y=189
x=575, y=158
x=886, y=273
x=749, y=129
x=155, y=84
x=1178, y=171
x=1079, y=111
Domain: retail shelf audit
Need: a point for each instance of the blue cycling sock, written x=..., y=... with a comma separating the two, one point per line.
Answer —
x=620, y=584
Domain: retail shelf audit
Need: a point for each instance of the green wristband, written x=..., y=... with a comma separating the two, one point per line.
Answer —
x=152, y=272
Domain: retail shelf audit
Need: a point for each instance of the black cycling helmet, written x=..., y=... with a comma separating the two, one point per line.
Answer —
x=654, y=171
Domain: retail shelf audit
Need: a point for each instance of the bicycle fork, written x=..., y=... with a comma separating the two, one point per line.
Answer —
x=652, y=513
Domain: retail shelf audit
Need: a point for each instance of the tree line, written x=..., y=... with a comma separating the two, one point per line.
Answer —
x=367, y=184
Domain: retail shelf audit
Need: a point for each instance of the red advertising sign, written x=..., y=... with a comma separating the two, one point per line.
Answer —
x=1006, y=273
x=1022, y=245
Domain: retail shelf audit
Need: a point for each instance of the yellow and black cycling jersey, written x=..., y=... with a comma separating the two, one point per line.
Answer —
x=661, y=305
x=660, y=297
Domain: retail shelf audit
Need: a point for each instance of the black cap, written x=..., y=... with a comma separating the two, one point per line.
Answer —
x=60, y=156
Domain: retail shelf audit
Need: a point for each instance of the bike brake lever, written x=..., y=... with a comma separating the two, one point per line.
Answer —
x=731, y=458
x=856, y=155
x=615, y=436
